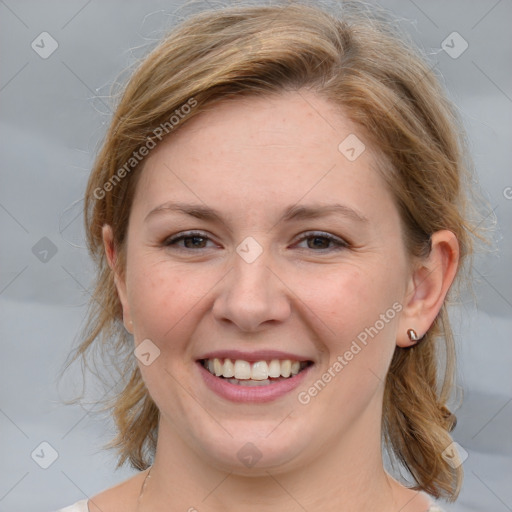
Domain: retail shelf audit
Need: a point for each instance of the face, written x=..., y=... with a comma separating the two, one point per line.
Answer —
x=250, y=269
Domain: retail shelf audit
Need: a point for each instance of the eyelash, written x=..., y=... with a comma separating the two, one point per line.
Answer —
x=340, y=243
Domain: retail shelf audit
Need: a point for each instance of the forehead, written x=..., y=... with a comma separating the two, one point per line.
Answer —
x=263, y=152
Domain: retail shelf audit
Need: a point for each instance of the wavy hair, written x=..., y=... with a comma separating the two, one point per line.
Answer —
x=359, y=60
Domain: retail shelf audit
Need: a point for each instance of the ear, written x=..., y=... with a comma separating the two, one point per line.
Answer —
x=111, y=255
x=428, y=286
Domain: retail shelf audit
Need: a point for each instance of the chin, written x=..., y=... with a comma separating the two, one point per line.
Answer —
x=255, y=449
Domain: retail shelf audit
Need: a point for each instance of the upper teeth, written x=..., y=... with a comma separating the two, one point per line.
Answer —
x=259, y=370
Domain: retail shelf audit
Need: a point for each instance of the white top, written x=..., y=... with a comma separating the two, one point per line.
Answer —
x=81, y=506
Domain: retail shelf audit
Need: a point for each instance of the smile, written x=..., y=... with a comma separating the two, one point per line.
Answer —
x=259, y=373
x=259, y=380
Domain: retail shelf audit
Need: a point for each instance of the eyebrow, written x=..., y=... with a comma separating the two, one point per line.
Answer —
x=292, y=212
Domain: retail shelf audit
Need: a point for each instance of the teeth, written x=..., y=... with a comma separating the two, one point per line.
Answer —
x=259, y=370
x=242, y=369
x=252, y=374
x=274, y=369
x=286, y=368
x=217, y=367
x=249, y=382
x=229, y=368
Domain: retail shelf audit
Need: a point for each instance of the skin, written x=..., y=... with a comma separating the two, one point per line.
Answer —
x=294, y=297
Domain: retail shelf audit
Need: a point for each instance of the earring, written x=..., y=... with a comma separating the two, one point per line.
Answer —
x=412, y=335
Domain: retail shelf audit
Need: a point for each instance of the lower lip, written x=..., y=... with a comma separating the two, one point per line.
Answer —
x=238, y=393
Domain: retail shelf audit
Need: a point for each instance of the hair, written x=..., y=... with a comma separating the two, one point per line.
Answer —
x=361, y=62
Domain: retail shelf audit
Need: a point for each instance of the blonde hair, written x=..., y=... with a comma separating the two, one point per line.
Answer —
x=359, y=62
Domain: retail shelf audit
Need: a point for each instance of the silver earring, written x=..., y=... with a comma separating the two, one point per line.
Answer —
x=412, y=335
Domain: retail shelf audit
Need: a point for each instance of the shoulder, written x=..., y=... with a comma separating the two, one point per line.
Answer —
x=411, y=500
x=120, y=498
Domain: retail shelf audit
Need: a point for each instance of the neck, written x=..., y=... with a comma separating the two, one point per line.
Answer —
x=347, y=477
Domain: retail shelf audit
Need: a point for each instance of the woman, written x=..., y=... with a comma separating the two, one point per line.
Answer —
x=278, y=213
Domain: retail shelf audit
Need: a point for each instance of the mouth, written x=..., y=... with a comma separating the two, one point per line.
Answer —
x=259, y=373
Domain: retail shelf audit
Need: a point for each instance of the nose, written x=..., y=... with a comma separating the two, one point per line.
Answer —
x=252, y=295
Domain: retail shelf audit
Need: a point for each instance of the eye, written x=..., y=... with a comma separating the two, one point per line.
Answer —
x=318, y=241
x=191, y=239
x=321, y=240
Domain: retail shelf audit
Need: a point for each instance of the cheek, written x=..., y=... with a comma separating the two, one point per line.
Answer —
x=349, y=297
x=165, y=298
x=156, y=297
x=360, y=305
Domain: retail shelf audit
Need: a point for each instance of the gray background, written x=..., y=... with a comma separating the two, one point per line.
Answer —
x=54, y=112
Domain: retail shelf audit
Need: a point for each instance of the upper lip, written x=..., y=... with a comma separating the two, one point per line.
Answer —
x=252, y=357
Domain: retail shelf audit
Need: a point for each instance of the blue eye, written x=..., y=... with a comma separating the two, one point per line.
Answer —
x=198, y=240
